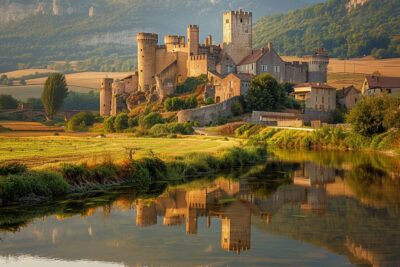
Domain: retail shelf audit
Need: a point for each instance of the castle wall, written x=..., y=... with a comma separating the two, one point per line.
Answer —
x=105, y=96
x=237, y=34
x=163, y=58
x=208, y=114
x=182, y=70
x=199, y=65
x=296, y=72
x=166, y=80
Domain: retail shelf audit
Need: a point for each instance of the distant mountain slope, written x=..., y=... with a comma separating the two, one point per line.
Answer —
x=373, y=28
x=36, y=33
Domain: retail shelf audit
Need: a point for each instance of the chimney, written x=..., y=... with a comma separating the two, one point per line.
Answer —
x=269, y=46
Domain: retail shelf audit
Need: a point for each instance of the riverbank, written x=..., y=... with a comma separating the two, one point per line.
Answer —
x=20, y=185
x=325, y=138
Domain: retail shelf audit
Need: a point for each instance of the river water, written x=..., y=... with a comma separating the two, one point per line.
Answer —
x=297, y=209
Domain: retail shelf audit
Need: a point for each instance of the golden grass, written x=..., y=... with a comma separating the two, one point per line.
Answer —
x=35, y=91
x=29, y=126
x=45, y=151
x=85, y=79
x=25, y=72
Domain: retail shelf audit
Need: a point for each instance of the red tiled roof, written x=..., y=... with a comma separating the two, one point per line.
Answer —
x=253, y=57
x=315, y=85
x=382, y=82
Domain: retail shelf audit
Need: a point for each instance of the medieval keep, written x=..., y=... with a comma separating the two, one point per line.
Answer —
x=162, y=67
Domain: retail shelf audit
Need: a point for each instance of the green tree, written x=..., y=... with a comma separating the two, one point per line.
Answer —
x=81, y=120
x=121, y=122
x=209, y=101
x=151, y=119
x=265, y=94
x=8, y=102
x=54, y=93
x=35, y=102
x=109, y=124
x=368, y=115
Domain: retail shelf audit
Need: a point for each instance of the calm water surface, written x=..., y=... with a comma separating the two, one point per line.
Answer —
x=298, y=209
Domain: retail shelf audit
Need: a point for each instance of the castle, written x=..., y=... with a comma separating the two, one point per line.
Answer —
x=162, y=67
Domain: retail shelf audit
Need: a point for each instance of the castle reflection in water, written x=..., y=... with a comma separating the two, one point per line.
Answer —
x=233, y=202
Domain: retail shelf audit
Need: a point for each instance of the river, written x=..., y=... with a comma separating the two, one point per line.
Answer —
x=298, y=209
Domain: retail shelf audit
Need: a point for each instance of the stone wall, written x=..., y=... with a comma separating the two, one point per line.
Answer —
x=208, y=114
x=286, y=119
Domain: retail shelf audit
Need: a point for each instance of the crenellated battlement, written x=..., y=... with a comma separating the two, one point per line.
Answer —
x=239, y=12
x=147, y=36
x=198, y=57
x=193, y=27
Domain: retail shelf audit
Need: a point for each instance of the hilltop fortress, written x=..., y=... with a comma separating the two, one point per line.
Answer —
x=162, y=67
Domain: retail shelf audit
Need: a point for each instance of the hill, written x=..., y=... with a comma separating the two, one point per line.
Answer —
x=370, y=29
x=99, y=35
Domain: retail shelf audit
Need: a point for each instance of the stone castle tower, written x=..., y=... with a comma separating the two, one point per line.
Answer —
x=147, y=46
x=193, y=34
x=318, y=66
x=105, y=96
x=237, y=34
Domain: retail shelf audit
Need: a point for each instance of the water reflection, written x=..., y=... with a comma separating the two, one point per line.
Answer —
x=336, y=206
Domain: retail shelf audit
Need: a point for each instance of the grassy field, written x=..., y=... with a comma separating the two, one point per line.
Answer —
x=44, y=151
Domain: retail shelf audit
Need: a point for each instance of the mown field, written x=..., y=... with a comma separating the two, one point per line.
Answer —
x=45, y=151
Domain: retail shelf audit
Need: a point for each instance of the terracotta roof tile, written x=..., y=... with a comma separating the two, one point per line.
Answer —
x=383, y=82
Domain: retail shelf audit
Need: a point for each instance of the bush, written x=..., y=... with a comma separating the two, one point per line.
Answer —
x=32, y=184
x=12, y=168
x=133, y=122
x=209, y=101
x=109, y=124
x=105, y=173
x=191, y=84
x=237, y=109
x=176, y=103
x=8, y=102
x=75, y=174
x=172, y=128
x=149, y=120
x=80, y=121
x=121, y=122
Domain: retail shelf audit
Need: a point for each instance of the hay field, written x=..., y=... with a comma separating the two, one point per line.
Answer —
x=25, y=72
x=45, y=151
x=85, y=79
x=29, y=126
x=27, y=91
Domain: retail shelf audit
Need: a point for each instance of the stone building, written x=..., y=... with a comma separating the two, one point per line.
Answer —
x=316, y=96
x=234, y=84
x=161, y=67
x=348, y=96
x=376, y=84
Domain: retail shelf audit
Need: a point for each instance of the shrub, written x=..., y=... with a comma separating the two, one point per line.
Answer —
x=237, y=109
x=176, y=103
x=109, y=124
x=8, y=102
x=81, y=120
x=121, y=122
x=209, y=101
x=151, y=119
x=75, y=174
x=32, y=184
x=133, y=122
x=12, y=168
x=105, y=173
x=172, y=128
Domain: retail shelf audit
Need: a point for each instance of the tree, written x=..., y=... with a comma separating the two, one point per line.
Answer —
x=209, y=101
x=368, y=115
x=121, y=122
x=8, y=102
x=22, y=82
x=109, y=124
x=81, y=120
x=151, y=119
x=265, y=94
x=35, y=102
x=54, y=93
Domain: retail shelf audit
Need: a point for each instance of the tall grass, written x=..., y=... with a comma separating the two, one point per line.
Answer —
x=328, y=138
x=141, y=174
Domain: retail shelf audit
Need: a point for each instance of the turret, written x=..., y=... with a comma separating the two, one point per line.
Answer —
x=193, y=33
x=171, y=41
x=105, y=96
x=147, y=45
x=318, y=66
x=237, y=34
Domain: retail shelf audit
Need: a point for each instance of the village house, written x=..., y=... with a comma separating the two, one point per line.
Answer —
x=348, y=96
x=376, y=84
x=232, y=85
x=316, y=97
